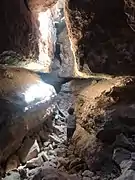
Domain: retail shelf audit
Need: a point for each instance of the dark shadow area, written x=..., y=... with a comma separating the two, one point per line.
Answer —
x=107, y=43
x=18, y=30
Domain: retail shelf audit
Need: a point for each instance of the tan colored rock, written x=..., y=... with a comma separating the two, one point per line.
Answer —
x=37, y=6
x=19, y=117
x=12, y=163
x=104, y=110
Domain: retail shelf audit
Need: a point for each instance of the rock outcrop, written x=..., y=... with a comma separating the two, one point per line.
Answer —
x=19, y=30
x=105, y=116
x=26, y=107
x=23, y=41
x=101, y=35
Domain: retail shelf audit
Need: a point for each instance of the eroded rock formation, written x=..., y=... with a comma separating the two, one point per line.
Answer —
x=22, y=113
x=19, y=30
x=101, y=35
x=105, y=115
x=23, y=41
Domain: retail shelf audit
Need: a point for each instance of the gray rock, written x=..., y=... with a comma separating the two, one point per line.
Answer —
x=51, y=157
x=12, y=176
x=34, y=171
x=60, y=151
x=74, y=177
x=87, y=173
x=124, y=142
x=96, y=178
x=49, y=164
x=50, y=146
x=52, y=152
x=125, y=165
x=36, y=162
x=44, y=155
x=127, y=175
x=87, y=178
x=46, y=144
x=123, y=158
x=120, y=155
x=63, y=161
x=50, y=174
x=55, y=138
x=133, y=156
x=33, y=152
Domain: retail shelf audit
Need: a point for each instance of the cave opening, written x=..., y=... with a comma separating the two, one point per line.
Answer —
x=103, y=144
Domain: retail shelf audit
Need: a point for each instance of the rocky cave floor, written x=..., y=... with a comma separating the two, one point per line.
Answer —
x=53, y=160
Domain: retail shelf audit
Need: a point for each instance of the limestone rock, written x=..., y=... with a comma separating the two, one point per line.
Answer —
x=88, y=173
x=13, y=176
x=127, y=175
x=51, y=173
x=35, y=162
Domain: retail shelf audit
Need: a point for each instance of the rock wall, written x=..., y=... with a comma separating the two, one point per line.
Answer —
x=105, y=123
x=18, y=30
x=28, y=33
x=102, y=35
x=103, y=41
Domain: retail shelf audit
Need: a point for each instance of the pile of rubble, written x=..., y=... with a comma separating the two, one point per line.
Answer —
x=53, y=160
x=50, y=158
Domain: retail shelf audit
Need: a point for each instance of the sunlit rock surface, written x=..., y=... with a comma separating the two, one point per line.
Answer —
x=28, y=33
x=26, y=103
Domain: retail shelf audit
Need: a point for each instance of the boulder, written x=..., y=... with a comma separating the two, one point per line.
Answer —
x=24, y=106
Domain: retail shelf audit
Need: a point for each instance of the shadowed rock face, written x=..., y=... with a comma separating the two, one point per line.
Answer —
x=18, y=28
x=105, y=120
x=101, y=35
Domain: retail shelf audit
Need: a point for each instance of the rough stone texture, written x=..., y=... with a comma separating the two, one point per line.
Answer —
x=27, y=150
x=100, y=35
x=104, y=110
x=23, y=42
x=67, y=67
x=37, y=6
x=18, y=117
x=51, y=173
x=18, y=30
x=12, y=163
